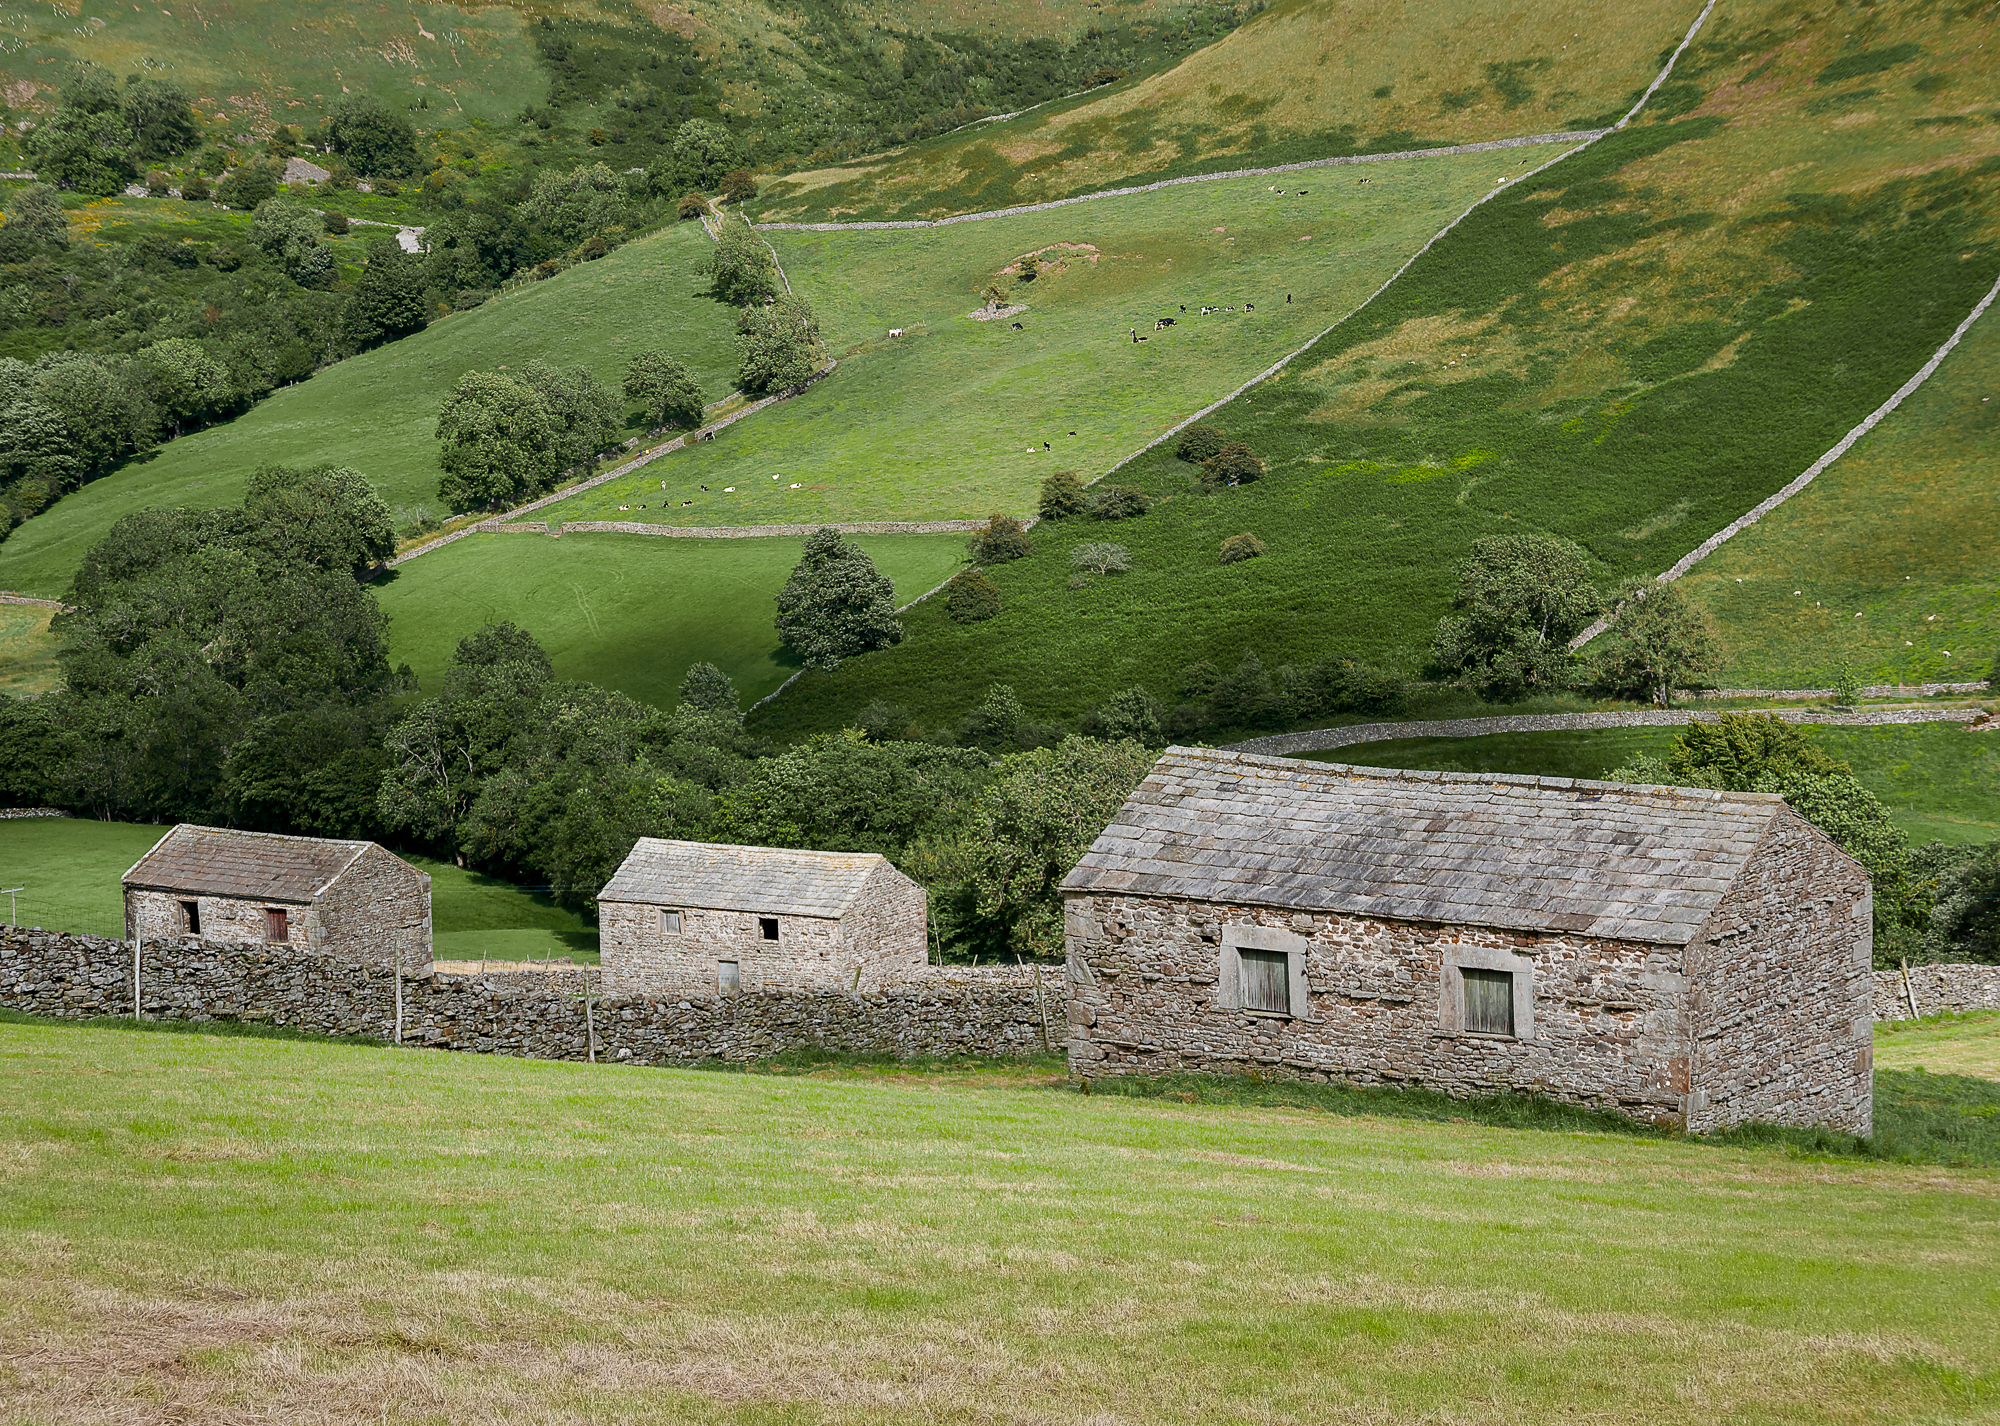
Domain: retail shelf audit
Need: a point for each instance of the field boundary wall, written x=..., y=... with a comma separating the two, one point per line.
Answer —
x=543, y=1014
x=1321, y=740
x=1935, y=990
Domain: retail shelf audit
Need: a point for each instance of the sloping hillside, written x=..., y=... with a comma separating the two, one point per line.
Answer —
x=1305, y=79
x=1631, y=350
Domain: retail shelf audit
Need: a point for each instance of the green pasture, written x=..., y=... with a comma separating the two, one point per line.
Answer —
x=1593, y=352
x=190, y=1221
x=950, y=420
x=630, y=612
x=1899, y=531
x=1938, y=780
x=1300, y=80
x=377, y=411
x=1967, y=1044
x=252, y=63
x=27, y=650
x=71, y=869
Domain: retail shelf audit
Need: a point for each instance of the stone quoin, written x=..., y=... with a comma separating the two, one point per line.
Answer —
x=1686, y=957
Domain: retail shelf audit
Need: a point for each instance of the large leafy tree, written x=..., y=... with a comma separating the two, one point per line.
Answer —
x=35, y=223
x=161, y=120
x=326, y=515
x=666, y=387
x=1660, y=644
x=1965, y=915
x=840, y=792
x=836, y=603
x=740, y=268
x=375, y=140
x=703, y=153
x=293, y=236
x=497, y=434
x=186, y=381
x=88, y=151
x=1522, y=599
x=586, y=202
x=777, y=345
x=388, y=300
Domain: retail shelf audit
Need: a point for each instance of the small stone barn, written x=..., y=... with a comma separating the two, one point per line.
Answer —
x=698, y=918
x=347, y=899
x=1687, y=957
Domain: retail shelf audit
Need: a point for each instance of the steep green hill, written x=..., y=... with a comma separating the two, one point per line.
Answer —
x=377, y=411
x=1630, y=349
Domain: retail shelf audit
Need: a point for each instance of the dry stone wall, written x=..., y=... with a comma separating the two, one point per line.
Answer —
x=994, y=1011
x=1936, y=990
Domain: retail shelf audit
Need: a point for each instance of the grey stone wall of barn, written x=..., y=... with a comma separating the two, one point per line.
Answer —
x=640, y=956
x=1606, y=1026
x=1782, y=992
x=984, y=1011
x=378, y=910
x=885, y=933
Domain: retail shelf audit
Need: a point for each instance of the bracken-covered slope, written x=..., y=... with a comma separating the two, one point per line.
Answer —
x=1306, y=79
x=1630, y=349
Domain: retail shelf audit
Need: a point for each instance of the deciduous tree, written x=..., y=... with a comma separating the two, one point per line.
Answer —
x=1660, y=643
x=836, y=604
x=665, y=387
x=1523, y=598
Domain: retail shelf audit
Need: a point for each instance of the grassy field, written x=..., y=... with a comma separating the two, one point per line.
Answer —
x=1302, y=80
x=950, y=420
x=377, y=411
x=1630, y=349
x=71, y=869
x=1942, y=1044
x=630, y=612
x=221, y=1227
x=27, y=650
x=1899, y=531
x=1938, y=780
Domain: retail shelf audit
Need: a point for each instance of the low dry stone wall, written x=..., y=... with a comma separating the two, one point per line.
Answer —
x=1936, y=990
x=751, y=532
x=1319, y=740
x=540, y=1014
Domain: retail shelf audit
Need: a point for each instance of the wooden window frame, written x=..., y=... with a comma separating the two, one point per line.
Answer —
x=671, y=922
x=1451, y=992
x=1229, y=969
x=277, y=918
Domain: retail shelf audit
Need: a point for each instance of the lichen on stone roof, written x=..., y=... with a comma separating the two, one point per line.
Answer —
x=259, y=866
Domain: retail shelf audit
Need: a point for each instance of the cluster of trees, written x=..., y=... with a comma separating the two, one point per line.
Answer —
x=1939, y=902
x=1223, y=462
x=1064, y=497
x=102, y=134
x=510, y=435
x=1523, y=598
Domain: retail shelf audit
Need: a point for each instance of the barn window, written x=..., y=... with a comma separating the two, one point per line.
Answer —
x=728, y=977
x=670, y=922
x=1267, y=981
x=1489, y=1001
x=277, y=926
x=191, y=917
x=767, y=927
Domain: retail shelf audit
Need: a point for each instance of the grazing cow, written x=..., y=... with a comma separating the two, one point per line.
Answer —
x=1045, y=445
x=1249, y=306
x=895, y=331
x=1288, y=297
x=1183, y=306
x=1017, y=326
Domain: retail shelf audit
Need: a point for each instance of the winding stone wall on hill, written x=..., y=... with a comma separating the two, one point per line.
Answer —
x=989, y=1011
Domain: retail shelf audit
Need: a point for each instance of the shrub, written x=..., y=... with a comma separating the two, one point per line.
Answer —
x=594, y=248
x=1846, y=688
x=1199, y=443
x=1062, y=496
x=1133, y=713
x=738, y=185
x=971, y=596
x=337, y=224
x=194, y=189
x=1234, y=464
x=157, y=184
x=1197, y=680
x=1117, y=502
x=1101, y=557
x=1241, y=547
x=883, y=722
x=1003, y=539
x=692, y=205
x=246, y=185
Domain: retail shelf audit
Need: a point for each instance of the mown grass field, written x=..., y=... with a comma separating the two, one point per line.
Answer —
x=1966, y=1044
x=221, y=1228
x=1629, y=349
x=1900, y=531
x=1938, y=780
x=1302, y=80
x=377, y=412
x=71, y=869
x=630, y=612
x=27, y=650
x=949, y=421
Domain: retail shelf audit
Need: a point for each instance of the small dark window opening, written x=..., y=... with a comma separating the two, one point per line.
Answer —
x=767, y=927
x=191, y=917
x=1267, y=981
x=1489, y=1001
x=670, y=922
x=728, y=979
x=277, y=926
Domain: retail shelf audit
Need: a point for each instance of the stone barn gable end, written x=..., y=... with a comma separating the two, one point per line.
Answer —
x=1678, y=954
x=348, y=899
x=701, y=918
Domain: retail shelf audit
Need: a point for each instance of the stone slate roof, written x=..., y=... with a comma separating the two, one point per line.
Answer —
x=259, y=866
x=1555, y=854
x=772, y=881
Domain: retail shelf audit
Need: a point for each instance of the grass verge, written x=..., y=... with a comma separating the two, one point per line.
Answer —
x=1962, y=1044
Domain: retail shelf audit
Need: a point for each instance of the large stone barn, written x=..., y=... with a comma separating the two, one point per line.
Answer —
x=699, y=918
x=347, y=899
x=1685, y=957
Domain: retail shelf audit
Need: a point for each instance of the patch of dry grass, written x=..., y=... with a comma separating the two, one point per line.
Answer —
x=1942, y=1044
x=198, y=1228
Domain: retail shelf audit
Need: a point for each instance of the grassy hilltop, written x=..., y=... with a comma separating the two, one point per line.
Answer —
x=1630, y=349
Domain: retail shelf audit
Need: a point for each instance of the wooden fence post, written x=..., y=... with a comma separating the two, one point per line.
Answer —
x=138, y=940
x=589, y=1020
